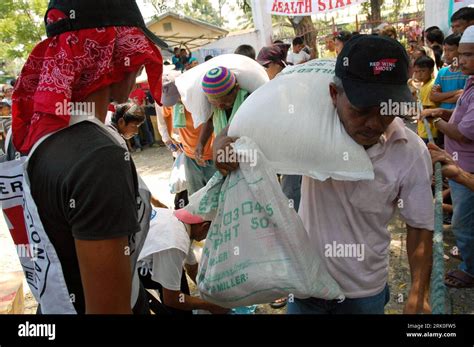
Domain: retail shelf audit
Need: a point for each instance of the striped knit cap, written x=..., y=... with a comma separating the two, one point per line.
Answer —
x=218, y=82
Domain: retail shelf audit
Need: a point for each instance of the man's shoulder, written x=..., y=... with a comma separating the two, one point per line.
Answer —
x=428, y=85
x=412, y=148
x=166, y=233
x=447, y=72
x=444, y=70
x=88, y=134
x=76, y=143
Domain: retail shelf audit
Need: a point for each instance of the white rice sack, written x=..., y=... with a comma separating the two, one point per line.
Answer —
x=257, y=249
x=294, y=122
x=250, y=75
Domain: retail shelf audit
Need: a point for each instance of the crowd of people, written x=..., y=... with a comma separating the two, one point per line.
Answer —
x=85, y=195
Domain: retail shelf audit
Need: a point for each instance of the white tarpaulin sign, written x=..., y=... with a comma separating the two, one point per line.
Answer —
x=308, y=7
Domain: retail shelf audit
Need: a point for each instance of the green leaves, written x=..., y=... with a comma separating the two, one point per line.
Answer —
x=21, y=27
x=203, y=10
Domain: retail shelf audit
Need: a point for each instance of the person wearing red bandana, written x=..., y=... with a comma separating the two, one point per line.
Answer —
x=82, y=200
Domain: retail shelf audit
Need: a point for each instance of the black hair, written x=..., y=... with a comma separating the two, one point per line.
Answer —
x=123, y=112
x=246, y=50
x=427, y=30
x=4, y=104
x=435, y=36
x=343, y=36
x=452, y=40
x=298, y=41
x=277, y=42
x=438, y=53
x=465, y=13
x=425, y=62
x=183, y=50
x=208, y=57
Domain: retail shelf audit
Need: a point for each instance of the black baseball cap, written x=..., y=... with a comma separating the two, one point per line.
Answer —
x=89, y=14
x=374, y=70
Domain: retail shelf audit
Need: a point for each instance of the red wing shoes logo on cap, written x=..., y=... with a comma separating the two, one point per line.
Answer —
x=383, y=65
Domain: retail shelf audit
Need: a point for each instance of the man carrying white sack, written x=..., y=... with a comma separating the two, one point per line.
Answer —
x=225, y=96
x=166, y=253
x=347, y=221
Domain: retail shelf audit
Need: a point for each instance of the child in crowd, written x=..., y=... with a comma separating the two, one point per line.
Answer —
x=449, y=83
x=423, y=73
x=297, y=55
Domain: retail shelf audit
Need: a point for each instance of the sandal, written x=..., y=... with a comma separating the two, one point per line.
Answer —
x=279, y=303
x=459, y=279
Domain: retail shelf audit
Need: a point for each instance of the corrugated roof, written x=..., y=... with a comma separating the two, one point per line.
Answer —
x=186, y=19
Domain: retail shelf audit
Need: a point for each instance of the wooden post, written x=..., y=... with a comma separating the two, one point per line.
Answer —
x=333, y=25
x=357, y=23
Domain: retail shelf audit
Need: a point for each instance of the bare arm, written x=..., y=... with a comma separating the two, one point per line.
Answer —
x=419, y=250
x=450, y=97
x=190, y=54
x=220, y=144
x=437, y=112
x=206, y=132
x=178, y=300
x=466, y=179
x=106, y=275
x=192, y=271
x=451, y=131
x=450, y=168
x=162, y=126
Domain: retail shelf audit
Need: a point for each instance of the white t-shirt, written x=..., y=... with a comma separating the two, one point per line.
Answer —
x=167, y=248
x=297, y=58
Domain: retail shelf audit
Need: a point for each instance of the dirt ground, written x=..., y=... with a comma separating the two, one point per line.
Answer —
x=154, y=165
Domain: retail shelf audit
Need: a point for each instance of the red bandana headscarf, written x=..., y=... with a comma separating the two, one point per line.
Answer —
x=71, y=66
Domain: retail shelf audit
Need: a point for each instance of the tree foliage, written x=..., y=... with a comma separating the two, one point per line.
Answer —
x=203, y=10
x=21, y=27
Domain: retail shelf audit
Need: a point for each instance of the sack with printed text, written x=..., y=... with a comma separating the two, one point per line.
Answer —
x=257, y=249
x=302, y=131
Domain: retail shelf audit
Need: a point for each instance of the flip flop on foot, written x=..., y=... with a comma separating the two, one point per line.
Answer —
x=459, y=279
